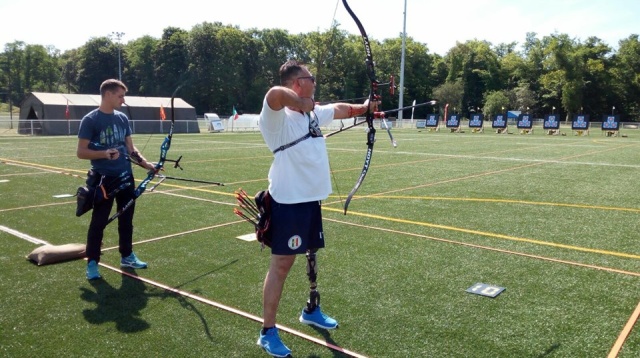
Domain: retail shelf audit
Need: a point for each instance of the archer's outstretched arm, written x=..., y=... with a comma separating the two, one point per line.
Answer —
x=347, y=110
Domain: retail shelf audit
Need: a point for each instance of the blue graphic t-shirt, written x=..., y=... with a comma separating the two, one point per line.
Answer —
x=105, y=131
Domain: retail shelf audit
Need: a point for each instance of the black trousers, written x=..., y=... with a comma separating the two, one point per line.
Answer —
x=100, y=217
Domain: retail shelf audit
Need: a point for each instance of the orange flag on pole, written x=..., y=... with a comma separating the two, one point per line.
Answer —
x=162, y=115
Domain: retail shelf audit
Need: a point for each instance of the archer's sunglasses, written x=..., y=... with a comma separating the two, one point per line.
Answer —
x=312, y=78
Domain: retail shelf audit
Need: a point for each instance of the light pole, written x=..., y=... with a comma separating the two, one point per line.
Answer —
x=404, y=45
x=118, y=36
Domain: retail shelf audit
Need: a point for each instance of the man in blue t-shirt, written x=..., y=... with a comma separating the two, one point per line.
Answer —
x=104, y=138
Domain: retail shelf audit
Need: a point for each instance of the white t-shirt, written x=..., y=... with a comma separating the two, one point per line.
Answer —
x=299, y=173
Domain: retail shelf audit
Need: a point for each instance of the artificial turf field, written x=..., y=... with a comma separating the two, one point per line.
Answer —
x=551, y=219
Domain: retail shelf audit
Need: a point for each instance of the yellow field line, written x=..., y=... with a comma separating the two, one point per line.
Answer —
x=509, y=201
x=487, y=234
x=58, y=170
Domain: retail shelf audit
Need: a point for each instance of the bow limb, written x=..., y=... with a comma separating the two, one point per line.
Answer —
x=371, y=133
x=388, y=128
x=164, y=149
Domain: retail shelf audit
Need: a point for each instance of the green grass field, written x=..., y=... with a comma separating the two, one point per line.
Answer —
x=553, y=219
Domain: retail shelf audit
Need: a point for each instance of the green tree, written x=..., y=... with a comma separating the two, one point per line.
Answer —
x=15, y=64
x=514, y=68
x=534, y=67
x=418, y=70
x=477, y=66
x=321, y=56
x=98, y=61
x=596, y=63
x=439, y=71
x=140, y=70
x=524, y=98
x=345, y=76
x=496, y=102
x=171, y=60
x=352, y=80
x=626, y=74
x=275, y=47
x=450, y=93
x=223, y=66
x=69, y=71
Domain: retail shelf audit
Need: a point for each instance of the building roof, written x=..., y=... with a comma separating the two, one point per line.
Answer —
x=60, y=113
x=93, y=100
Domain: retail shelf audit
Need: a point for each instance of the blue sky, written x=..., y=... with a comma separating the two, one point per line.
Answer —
x=68, y=24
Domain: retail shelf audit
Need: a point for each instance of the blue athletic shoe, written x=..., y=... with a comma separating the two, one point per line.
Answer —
x=133, y=262
x=272, y=344
x=318, y=319
x=92, y=270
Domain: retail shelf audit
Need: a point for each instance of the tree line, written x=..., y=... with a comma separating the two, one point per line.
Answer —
x=222, y=67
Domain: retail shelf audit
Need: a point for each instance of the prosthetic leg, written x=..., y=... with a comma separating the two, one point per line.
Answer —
x=312, y=272
x=312, y=314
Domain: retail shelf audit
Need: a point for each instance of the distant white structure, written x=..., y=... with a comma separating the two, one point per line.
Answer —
x=244, y=122
x=214, y=123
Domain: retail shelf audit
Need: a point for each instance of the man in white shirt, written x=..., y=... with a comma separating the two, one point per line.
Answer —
x=299, y=178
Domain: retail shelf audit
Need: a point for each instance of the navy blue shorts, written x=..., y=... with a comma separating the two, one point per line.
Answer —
x=296, y=228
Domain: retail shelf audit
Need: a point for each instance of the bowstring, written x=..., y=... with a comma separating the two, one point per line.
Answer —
x=333, y=176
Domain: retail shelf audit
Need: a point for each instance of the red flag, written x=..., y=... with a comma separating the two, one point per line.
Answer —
x=162, y=115
x=392, y=85
x=446, y=109
x=66, y=111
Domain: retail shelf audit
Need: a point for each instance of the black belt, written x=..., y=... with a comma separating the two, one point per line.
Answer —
x=289, y=145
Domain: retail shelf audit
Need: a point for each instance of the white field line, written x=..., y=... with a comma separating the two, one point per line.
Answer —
x=474, y=157
x=23, y=235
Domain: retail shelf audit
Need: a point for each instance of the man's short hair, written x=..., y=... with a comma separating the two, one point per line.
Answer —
x=111, y=85
x=289, y=70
